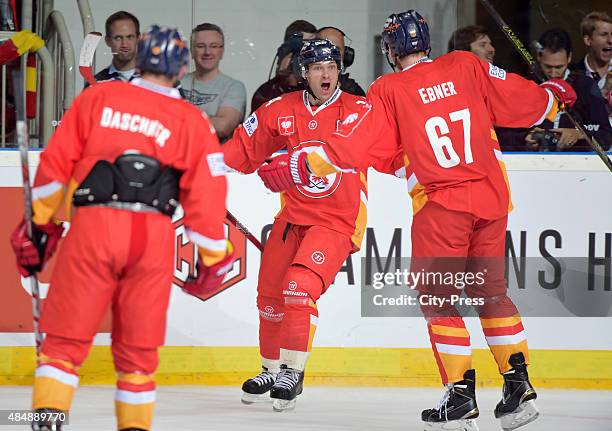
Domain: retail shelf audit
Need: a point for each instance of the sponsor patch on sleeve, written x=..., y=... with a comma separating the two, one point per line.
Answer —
x=216, y=164
x=497, y=72
x=250, y=124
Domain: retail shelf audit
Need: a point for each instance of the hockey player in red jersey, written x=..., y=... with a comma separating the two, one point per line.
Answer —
x=320, y=222
x=124, y=155
x=442, y=113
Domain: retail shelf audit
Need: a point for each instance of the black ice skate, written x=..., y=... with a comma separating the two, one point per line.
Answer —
x=50, y=420
x=288, y=386
x=457, y=409
x=517, y=406
x=255, y=390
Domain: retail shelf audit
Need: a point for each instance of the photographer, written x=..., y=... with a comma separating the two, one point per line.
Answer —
x=337, y=37
x=285, y=79
x=554, y=57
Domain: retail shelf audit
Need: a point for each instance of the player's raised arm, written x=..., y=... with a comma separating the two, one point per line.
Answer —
x=513, y=101
x=365, y=135
x=255, y=140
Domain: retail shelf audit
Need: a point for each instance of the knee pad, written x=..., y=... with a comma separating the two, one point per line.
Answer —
x=432, y=307
x=70, y=351
x=270, y=308
x=495, y=307
x=131, y=359
x=301, y=288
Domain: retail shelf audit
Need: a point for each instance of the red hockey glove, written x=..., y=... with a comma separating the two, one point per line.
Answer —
x=21, y=42
x=33, y=254
x=209, y=278
x=284, y=172
x=562, y=91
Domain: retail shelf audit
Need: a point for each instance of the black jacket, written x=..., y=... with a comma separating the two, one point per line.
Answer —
x=106, y=75
x=278, y=86
x=350, y=85
x=589, y=109
x=272, y=89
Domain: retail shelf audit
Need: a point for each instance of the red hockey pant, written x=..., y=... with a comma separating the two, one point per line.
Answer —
x=463, y=243
x=113, y=259
x=298, y=265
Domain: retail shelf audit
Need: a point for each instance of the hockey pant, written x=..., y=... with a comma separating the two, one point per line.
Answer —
x=446, y=241
x=110, y=259
x=298, y=265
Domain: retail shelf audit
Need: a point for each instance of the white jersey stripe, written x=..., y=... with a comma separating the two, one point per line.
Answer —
x=452, y=349
x=130, y=397
x=57, y=374
x=500, y=340
x=41, y=192
x=206, y=242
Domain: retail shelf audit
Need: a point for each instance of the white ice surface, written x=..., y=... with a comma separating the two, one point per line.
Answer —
x=319, y=408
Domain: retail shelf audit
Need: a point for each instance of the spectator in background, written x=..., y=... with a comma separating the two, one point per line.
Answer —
x=122, y=33
x=473, y=38
x=337, y=37
x=222, y=98
x=553, y=60
x=286, y=78
x=596, y=30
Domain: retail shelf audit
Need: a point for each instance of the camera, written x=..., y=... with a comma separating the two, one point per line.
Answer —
x=546, y=139
x=292, y=45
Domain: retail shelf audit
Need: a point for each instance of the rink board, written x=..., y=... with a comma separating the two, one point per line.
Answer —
x=213, y=342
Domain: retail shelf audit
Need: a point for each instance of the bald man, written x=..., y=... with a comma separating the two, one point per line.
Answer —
x=335, y=36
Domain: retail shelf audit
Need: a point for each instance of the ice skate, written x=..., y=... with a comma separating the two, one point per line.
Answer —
x=288, y=386
x=47, y=423
x=517, y=407
x=457, y=409
x=257, y=389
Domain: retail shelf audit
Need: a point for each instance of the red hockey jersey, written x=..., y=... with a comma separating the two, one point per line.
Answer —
x=337, y=201
x=108, y=119
x=441, y=113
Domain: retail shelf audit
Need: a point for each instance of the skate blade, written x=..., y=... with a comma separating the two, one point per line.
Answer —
x=283, y=405
x=527, y=412
x=255, y=398
x=458, y=425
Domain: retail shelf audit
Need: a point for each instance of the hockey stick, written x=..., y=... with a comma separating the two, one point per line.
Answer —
x=22, y=140
x=518, y=45
x=86, y=56
x=242, y=228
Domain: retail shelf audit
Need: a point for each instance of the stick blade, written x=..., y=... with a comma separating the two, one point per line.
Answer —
x=88, y=50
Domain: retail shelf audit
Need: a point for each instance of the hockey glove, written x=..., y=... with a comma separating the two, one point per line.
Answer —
x=285, y=171
x=33, y=254
x=210, y=278
x=20, y=43
x=562, y=90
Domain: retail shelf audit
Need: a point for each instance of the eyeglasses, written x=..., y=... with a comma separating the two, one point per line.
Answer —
x=212, y=46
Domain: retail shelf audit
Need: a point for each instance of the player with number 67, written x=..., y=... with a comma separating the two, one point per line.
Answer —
x=442, y=114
